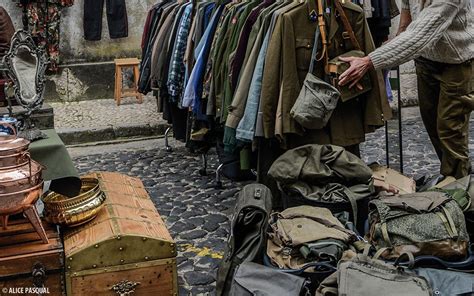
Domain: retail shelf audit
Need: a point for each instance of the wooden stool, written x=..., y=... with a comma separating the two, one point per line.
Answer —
x=131, y=92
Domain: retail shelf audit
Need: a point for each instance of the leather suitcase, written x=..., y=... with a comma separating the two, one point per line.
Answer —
x=125, y=250
x=27, y=266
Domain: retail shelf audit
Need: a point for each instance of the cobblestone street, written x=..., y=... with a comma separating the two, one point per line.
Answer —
x=197, y=214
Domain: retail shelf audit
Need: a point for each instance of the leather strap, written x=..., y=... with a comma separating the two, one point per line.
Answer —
x=324, y=38
x=347, y=24
x=314, y=54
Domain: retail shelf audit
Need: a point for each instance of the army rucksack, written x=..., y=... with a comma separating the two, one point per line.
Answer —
x=306, y=234
x=423, y=223
x=360, y=275
x=247, y=234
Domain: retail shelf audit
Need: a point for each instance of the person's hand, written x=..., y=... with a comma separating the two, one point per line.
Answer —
x=358, y=67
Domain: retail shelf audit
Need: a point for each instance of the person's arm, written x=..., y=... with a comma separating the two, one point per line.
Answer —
x=427, y=29
x=405, y=21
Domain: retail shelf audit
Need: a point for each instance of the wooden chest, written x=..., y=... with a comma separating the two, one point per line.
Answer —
x=27, y=265
x=125, y=248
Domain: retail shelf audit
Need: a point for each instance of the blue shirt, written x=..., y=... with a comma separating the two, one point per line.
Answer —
x=193, y=92
x=246, y=127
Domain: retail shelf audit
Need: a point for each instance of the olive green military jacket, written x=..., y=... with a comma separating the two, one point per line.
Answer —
x=287, y=64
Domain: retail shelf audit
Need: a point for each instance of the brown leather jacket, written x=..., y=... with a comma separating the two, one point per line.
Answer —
x=6, y=31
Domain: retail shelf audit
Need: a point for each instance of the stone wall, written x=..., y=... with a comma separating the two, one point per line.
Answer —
x=87, y=70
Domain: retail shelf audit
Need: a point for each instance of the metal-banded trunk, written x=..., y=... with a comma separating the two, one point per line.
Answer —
x=126, y=248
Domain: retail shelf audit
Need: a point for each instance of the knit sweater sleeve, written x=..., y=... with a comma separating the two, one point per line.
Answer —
x=425, y=31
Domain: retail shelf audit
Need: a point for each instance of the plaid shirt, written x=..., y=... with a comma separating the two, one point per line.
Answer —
x=176, y=72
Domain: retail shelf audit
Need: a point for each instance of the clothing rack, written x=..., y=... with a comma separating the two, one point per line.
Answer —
x=195, y=99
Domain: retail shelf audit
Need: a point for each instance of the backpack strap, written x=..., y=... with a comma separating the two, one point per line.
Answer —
x=353, y=201
x=383, y=228
x=450, y=222
x=411, y=259
x=366, y=251
x=380, y=252
x=446, y=223
x=360, y=246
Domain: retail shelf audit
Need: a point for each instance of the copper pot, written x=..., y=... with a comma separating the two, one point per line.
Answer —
x=20, y=178
x=21, y=182
x=17, y=202
x=13, y=150
x=15, y=160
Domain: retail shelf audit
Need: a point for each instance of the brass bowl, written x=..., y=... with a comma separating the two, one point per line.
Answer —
x=59, y=209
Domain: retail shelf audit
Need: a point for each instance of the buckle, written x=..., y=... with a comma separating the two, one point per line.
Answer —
x=345, y=35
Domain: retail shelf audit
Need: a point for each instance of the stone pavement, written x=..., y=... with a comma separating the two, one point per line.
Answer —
x=103, y=120
x=197, y=214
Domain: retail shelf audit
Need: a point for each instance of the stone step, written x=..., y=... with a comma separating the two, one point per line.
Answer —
x=74, y=136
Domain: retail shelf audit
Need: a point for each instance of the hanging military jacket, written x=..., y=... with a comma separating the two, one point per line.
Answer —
x=287, y=62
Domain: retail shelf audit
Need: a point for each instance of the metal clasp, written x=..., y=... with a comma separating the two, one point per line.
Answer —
x=39, y=275
x=124, y=287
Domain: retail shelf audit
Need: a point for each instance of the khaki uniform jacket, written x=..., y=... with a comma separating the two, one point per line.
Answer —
x=160, y=47
x=287, y=63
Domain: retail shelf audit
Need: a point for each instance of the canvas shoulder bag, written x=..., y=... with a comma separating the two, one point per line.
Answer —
x=317, y=98
x=252, y=279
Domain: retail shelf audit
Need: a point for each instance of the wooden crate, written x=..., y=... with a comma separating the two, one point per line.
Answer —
x=126, y=247
x=23, y=254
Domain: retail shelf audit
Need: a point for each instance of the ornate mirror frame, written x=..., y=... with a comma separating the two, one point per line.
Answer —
x=22, y=39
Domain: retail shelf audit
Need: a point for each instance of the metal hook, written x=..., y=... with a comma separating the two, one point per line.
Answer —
x=167, y=145
x=203, y=171
x=218, y=184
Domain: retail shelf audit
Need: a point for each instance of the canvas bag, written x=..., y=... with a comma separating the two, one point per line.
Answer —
x=317, y=98
x=247, y=237
x=360, y=275
x=388, y=178
x=295, y=232
x=423, y=223
x=447, y=282
x=252, y=279
x=336, y=67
